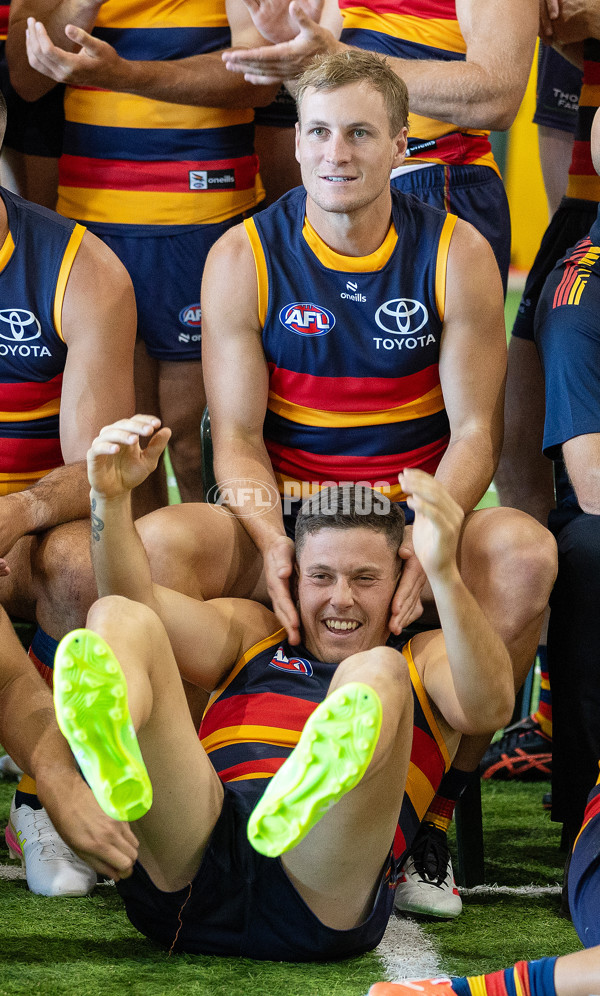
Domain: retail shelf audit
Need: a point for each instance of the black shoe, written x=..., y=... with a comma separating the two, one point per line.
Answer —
x=547, y=801
x=523, y=753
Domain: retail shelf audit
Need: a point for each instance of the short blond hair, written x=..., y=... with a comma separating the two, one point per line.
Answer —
x=330, y=72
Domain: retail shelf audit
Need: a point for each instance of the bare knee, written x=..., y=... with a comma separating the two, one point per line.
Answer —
x=383, y=668
x=63, y=577
x=515, y=557
x=116, y=610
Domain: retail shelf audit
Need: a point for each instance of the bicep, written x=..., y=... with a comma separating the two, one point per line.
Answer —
x=99, y=328
x=235, y=368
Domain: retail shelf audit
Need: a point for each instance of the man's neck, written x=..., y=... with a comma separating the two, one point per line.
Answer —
x=357, y=234
x=3, y=223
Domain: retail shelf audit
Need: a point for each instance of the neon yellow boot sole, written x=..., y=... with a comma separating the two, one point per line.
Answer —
x=331, y=757
x=90, y=700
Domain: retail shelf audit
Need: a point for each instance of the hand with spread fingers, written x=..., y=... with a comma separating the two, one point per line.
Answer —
x=278, y=63
x=438, y=522
x=117, y=463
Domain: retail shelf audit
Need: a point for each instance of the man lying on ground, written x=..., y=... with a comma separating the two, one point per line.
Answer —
x=315, y=762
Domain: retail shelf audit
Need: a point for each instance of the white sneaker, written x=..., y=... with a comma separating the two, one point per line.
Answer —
x=52, y=868
x=9, y=770
x=426, y=883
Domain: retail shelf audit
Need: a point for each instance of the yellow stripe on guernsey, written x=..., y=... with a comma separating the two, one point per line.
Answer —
x=131, y=207
x=584, y=273
x=253, y=734
x=428, y=404
x=269, y=641
x=424, y=703
x=434, y=32
x=44, y=411
x=441, y=264
x=8, y=247
x=127, y=110
x=9, y=484
x=478, y=987
x=161, y=14
x=63, y=275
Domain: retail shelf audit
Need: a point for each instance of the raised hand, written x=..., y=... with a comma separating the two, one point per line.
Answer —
x=274, y=20
x=95, y=64
x=277, y=63
x=438, y=522
x=117, y=463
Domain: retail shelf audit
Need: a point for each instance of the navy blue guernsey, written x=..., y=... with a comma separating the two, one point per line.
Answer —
x=35, y=262
x=353, y=346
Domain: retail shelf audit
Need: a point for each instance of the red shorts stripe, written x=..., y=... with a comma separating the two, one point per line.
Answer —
x=255, y=768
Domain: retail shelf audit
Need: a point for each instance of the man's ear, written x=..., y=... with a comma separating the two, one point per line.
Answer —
x=294, y=583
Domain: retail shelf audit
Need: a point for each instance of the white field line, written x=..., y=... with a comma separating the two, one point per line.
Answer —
x=406, y=952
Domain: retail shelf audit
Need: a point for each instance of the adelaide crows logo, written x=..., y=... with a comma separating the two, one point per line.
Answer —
x=306, y=319
x=299, y=665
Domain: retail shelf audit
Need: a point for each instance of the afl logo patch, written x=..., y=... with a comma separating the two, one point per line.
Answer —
x=191, y=316
x=298, y=665
x=306, y=319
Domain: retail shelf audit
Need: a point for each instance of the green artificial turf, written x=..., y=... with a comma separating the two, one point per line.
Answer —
x=87, y=946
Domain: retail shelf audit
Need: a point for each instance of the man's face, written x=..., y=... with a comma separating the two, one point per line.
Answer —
x=346, y=580
x=344, y=147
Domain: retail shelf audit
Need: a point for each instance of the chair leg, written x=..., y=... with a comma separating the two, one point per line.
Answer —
x=469, y=836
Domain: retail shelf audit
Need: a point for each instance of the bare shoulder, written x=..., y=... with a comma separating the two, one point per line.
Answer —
x=96, y=268
x=253, y=621
x=231, y=249
x=472, y=270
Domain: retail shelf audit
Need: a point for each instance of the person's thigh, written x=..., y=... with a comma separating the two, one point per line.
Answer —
x=337, y=866
x=202, y=550
x=187, y=792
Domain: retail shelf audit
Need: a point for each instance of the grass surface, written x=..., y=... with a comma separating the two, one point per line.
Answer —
x=87, y=947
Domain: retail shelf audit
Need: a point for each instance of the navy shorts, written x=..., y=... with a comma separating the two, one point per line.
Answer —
x=243, y=904
x=557, y=92
x=474, y=193
x=280, y=113
x=35, y=128
x=166, y=271
x=571, y=221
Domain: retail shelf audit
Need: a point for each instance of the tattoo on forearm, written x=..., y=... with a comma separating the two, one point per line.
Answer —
x=97, y=523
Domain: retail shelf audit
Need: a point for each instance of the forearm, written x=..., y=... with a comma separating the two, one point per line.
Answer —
x=118, y=556
x=466, y=94
x=28, y=83
x=60, y=496
x=254, y=496
x=200, y=80
x=468, y=466
x=28, y=729
x=479, y=661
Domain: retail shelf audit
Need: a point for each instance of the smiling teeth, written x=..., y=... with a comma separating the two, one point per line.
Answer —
x=338, y=179
x=337, y=624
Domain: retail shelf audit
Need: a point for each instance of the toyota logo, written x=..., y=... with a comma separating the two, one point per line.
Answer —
x=22, y=325
x=402, y=316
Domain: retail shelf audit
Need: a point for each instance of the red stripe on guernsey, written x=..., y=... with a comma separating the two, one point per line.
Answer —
x=4, y=12
x=314, y=467
x=430, y=762
x=423, y=9
x=399, y=845
x=172, y=177
x=266, y=709
x=29, y=395
x=266, y=766
x=592, y=809
x=351, y=394
x=581, y=160
x=22, y=456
